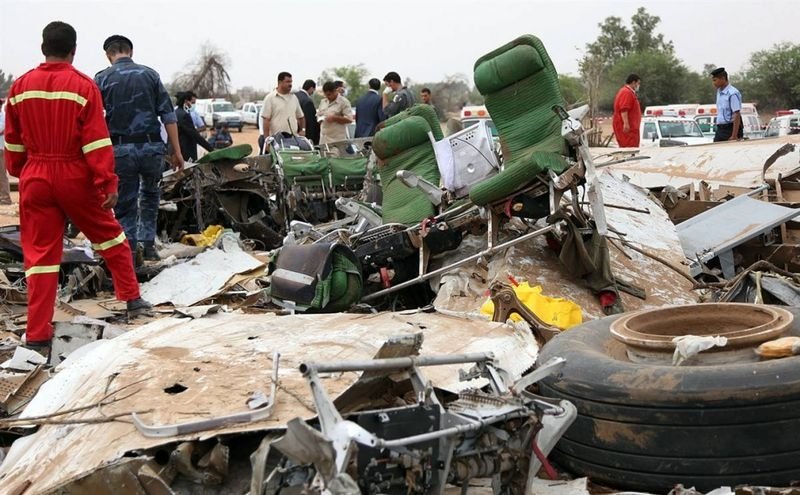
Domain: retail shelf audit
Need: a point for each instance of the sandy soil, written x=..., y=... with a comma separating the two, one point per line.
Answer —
x=9, y=214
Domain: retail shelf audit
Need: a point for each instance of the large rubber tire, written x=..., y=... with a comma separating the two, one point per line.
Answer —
x=649, y=427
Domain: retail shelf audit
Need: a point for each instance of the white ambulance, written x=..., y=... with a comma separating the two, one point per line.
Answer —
x=470, y=115
x=706, y=117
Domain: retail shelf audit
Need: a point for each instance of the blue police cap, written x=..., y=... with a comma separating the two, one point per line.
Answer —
x=116, y=38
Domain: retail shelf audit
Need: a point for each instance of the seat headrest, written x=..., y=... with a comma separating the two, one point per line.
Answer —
x=406, y=134
x=512, y=62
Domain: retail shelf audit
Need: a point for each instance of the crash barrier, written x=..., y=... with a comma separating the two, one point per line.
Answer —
x=405, y=145
x=520, y=85
x=316, y=278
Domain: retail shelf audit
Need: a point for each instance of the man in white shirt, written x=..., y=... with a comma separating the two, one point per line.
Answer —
x=281, y=111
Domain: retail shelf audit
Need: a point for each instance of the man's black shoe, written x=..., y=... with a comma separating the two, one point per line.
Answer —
x=42, y=348
x=150, y=253
x=139, y=307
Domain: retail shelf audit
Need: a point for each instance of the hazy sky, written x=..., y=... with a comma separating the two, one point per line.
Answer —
x=423, y=40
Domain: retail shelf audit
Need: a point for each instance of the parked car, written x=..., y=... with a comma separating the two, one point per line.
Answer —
x=251, y=112
x=784, y=125
x=218, y=110
x=672, y=130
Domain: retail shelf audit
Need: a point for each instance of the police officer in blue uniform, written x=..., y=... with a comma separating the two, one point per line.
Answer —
x=729, y=108
x=135, y=99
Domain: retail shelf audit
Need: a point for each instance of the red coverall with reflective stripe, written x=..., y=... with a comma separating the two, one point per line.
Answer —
x=57, y=143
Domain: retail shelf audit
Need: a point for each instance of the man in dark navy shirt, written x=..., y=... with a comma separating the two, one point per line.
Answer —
x=135, y=99
x=369, y=111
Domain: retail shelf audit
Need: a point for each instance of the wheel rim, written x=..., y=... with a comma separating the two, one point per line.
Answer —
x=650, y=332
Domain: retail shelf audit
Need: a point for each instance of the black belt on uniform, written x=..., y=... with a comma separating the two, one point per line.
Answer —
x=725, y=126
x=137, y=139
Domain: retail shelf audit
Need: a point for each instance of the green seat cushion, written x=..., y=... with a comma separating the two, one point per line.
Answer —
x=235, y=152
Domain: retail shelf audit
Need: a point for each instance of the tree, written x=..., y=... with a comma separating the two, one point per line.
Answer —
x=613, y=43
x=353, y=76
x=643, y=38
x=207, y=75
x=450, y=95
x=665, y=79
x=592, y=68
x=572, y=89
x=772, y=77
x=619, y=51
x=5, y=83
x=249, y=93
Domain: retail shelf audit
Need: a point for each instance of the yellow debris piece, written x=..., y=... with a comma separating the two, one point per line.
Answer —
x=205, y=238
x=554, y=311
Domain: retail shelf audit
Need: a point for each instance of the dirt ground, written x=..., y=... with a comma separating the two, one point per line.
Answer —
x=249, y=135
x=9, y=214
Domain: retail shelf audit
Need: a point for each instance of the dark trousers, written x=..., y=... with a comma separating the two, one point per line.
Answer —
x=139, y=195
x=725, y=131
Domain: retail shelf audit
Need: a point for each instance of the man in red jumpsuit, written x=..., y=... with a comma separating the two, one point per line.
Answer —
x=627, y=113
x=58, y=145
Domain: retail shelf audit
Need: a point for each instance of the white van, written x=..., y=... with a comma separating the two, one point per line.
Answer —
x=676, y=131
x=784, y=125
x=706, y=117
x=218, y=110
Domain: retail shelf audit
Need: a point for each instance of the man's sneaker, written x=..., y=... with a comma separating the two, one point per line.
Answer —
x=150, y=253
x=139, y=307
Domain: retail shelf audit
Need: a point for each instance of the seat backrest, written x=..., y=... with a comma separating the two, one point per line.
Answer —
x=404, y=145
x=420, y=110
x=520, y=85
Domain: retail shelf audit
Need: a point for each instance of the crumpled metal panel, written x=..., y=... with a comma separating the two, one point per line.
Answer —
x=728, y=225
x=219, y=361
x=733, y=164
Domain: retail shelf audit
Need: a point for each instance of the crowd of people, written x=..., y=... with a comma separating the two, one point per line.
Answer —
x=293, y=113
x=103, y=175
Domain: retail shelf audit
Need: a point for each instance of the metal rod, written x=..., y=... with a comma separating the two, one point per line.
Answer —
x=455, y=430
x=395, y=363
x=474, y=257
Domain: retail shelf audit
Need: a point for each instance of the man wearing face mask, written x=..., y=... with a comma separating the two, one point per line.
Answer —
x=627, y=113
x=135, y=99
x=188, y=134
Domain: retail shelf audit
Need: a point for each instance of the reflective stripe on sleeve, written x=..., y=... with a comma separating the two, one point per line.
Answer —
x=39, y=270
x=17, y=148
x=100, y=143
x=109, y=244
x=48, y=95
